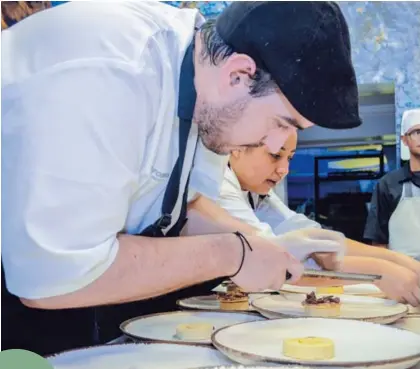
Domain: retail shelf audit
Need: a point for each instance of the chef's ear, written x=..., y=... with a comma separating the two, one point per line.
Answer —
x=404, y=140
x=238, y=68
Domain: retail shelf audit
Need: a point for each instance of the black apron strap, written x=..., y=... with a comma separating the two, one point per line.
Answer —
x=186, y=104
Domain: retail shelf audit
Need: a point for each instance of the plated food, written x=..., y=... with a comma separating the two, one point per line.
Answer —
x=194, y=331
x=365, y=308
x=309, y=348
x=356, y=344
x=183, y=327
x=233, y=299
x=325, y=306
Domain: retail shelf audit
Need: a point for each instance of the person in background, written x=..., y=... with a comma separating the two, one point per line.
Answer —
x=394, y=216
x=247, y=193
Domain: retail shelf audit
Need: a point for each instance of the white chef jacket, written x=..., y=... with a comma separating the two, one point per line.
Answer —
x=90, y=136
x=270, y=216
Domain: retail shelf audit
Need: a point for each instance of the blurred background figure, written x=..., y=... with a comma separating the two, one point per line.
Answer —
x=394, y=217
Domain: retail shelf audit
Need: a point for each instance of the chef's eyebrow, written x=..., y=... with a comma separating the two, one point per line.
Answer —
x=283, y=148
x=292, y=121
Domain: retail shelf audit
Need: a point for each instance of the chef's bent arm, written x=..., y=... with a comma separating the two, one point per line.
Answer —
x=75, y=141
x=148, y=267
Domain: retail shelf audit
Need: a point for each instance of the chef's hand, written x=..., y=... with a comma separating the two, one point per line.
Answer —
x=400, y=284
x=265, y=267
x=327, y=248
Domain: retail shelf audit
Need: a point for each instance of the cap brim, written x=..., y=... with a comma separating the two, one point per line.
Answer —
x=328, y=107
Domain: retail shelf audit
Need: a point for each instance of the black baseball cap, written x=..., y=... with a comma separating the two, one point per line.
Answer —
x=305, y=46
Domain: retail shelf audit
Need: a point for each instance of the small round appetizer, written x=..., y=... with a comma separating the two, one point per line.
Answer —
x=194, y=331
x=308, y=348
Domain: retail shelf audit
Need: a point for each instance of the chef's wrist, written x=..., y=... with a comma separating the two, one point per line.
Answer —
x=231, y=253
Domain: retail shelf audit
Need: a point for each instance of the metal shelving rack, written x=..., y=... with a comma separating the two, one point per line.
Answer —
x=349, y=176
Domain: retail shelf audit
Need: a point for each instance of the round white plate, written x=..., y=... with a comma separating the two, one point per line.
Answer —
x=357, y=344
x=139, y=356
x=410, y=323
x=351, y=289
x=209, y=303
x=162, y=327
x=365, y=308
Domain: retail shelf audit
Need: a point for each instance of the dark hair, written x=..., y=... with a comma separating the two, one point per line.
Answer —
x=216, y=50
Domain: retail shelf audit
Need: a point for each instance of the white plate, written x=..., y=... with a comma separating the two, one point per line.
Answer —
x=357, y=344
x=351, y=289
x=139, y=356
x=409, y=323
x=209, y=303
x=365, y=308
x=162, y=327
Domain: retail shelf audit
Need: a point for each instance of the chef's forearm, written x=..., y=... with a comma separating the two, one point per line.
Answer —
x=364, y=265
x=148, y=267
x=355, y=248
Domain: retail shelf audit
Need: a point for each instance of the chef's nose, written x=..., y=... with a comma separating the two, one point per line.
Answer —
x=282, y=170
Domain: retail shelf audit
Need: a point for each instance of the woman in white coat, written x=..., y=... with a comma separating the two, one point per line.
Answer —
x=247, y=194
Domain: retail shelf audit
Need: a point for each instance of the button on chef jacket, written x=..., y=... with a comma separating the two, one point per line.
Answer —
x=268, y=214
x=90, y=137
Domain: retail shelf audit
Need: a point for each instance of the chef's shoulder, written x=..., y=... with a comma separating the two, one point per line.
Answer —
x=138, y=35
x=391, y=184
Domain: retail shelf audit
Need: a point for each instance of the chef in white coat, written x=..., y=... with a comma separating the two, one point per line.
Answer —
x=394, y=217
x=109, y=111
x=247, y=193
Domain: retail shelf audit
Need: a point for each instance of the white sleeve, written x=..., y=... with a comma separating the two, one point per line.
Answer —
x=232, y=200
x=282, y=219
x=73, y=140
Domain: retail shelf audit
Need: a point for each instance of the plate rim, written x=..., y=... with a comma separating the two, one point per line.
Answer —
x=115, y=346
x=124, y=324
x=365, y=319
x=378, y=294
x=179, y=303
x=264, y=359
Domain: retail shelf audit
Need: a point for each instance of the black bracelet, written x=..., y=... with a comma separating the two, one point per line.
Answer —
x=244, y=242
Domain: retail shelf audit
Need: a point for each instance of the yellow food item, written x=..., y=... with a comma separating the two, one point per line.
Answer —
x=332, y=290
x=194, y=331
x=238, y=304
x=324, y=310
x=308, y=348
